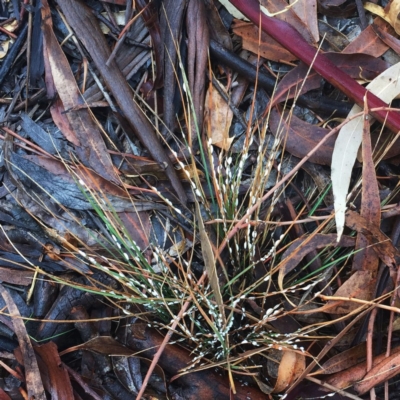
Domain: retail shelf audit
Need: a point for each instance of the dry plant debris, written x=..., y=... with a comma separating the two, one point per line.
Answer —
x=199, y=199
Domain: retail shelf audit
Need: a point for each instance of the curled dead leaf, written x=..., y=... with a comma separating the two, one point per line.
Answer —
x=292, y=365
x=391, y=15
x=220, y=118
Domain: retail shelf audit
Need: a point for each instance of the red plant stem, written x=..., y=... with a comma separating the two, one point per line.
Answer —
x=291, y=40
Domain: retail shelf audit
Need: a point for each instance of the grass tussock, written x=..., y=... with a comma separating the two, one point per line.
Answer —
x=209, y=270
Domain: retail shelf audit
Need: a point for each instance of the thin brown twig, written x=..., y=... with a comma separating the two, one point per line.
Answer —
x=81, y=382
x=31, y=146
x=277, y=223
x=365, y=302
x=368, y=345
x=122, y=36
x=333, y=388
x=7, y=32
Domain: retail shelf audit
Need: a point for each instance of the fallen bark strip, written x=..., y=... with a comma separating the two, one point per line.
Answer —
x=291, y=40
x=87, y=29
x=12, y=54
x=33, y=379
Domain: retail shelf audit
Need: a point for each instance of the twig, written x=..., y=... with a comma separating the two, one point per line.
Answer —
x=354, y=300
x=333, y=388
x=82, y=383
x=277, y=223
x=121, y=38
x=368, y=345
x=7, y=32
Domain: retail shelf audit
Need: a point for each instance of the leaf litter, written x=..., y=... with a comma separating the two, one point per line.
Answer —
x=166, y=213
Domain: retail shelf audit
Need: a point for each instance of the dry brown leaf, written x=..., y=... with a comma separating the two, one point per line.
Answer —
x=97, y=182
x=300, y=137
x=91, y=150
x=360, y=285
x=387, y=38
x=218, y=31
x=58, y=383
x=358, y=66
x=219, y=118
x=307, y=12
x=366, y=259
x=102, y=345
x=390, y=14
x=383, y=246
x=284, y=12
x=343, y=360
x=291, y=367
x=368, y=42
x=303, y=246
x=261, y=44
x=138, y=226
x=355, y=373
x=386, y=369
x=60, y=119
